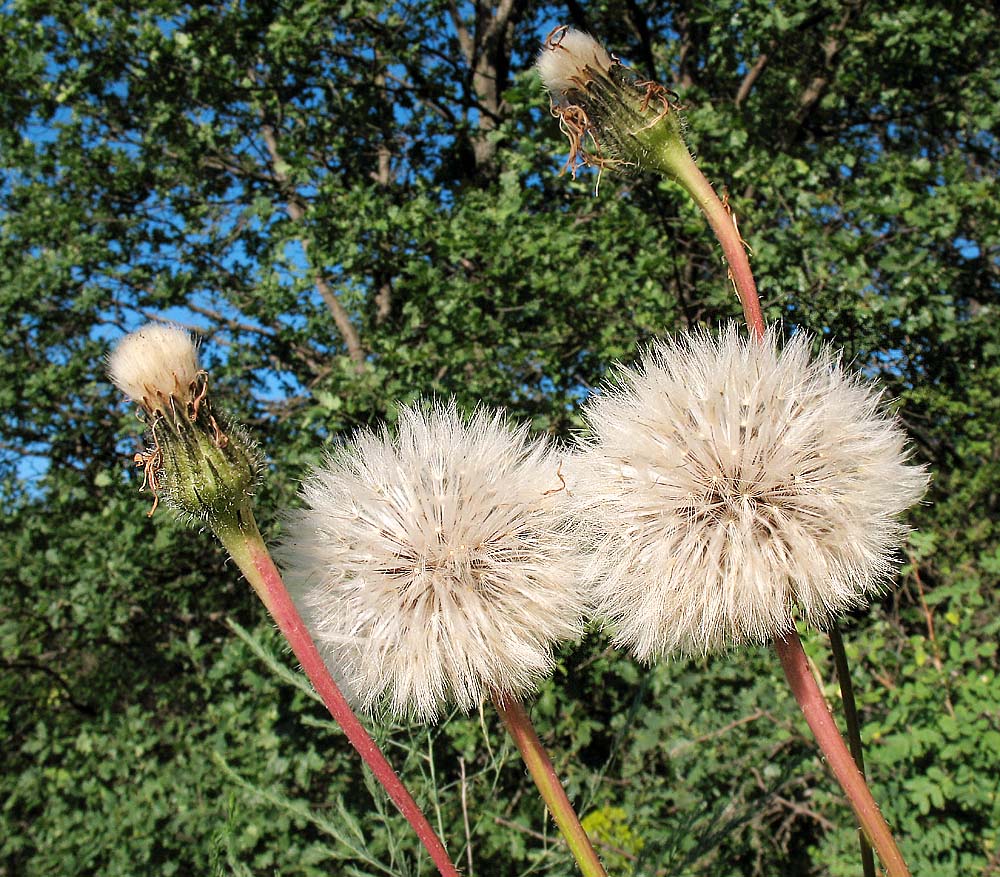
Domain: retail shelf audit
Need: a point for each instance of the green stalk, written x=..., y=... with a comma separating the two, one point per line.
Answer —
x=241, y=538
x=553, y=794
x=814, y=708
x=853, y=730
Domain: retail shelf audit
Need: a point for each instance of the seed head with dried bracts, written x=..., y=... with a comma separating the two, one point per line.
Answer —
x=612, y=117
x=203, y=466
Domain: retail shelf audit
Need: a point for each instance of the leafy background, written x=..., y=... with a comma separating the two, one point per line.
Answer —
x=357, y=203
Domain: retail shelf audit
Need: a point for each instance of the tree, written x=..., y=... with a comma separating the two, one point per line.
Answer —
x=356, y=204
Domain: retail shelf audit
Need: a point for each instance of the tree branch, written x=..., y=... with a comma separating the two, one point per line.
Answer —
x=486, y=52
x=751, y=77
x=296, y=211
x=818, y=84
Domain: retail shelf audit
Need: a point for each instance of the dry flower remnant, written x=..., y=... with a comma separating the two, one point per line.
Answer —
x=612, y=117
x=615, y=120
x=733, y=487
x=206, y=469
x=155, y=364
x=437, y=565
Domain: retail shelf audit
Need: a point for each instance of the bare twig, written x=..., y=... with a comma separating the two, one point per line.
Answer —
x=507, y=823
x=465, y=817
x=296, y=211
x=718, y=732
x=831, y=48
x=750, y=78
x=931, y=638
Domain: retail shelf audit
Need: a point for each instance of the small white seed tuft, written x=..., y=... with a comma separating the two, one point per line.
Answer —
x=153, y=364
x=563, y=61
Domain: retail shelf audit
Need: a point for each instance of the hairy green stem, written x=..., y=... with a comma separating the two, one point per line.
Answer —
x=245, y=545
x=853, y=730
x=814, y=708
x=543, y=773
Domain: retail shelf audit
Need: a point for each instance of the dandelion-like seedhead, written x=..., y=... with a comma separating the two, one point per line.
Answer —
x=612, y=117
x=731, y=487
x=438, y=565
x=205, y=467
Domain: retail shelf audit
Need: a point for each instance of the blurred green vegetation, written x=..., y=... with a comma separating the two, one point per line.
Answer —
x=357, y=203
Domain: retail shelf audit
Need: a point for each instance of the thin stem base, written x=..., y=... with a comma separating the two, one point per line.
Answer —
x=543, y=773
x=246, y=546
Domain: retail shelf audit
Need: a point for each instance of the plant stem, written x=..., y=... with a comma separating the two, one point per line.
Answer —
x=810, y=699
x=543, y=773
x=677, y=161
x=244, y=543
x=853, y=730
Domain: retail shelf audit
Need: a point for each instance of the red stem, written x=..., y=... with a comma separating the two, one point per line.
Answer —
x=679, y=163
x=684, y=169
x=814, y=708
x=248, y=550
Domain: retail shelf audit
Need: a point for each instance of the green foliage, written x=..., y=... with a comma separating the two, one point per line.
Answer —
x=609, y=827
x=358, y=203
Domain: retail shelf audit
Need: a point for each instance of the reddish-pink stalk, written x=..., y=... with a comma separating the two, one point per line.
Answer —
x=684, y=169
x=246, y=546
x=789, y=648
x=821, y=723
x=539, y=765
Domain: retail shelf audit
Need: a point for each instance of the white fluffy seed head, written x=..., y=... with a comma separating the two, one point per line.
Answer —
x=563, y=61
x=731, y=487
x=154, y=363
x=438, y=565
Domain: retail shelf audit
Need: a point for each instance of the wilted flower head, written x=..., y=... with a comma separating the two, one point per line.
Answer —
x=153, y=364
x=612, y=117
x=206, y=467
x=436, y=565
x=733, y=486
x=569, y=59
